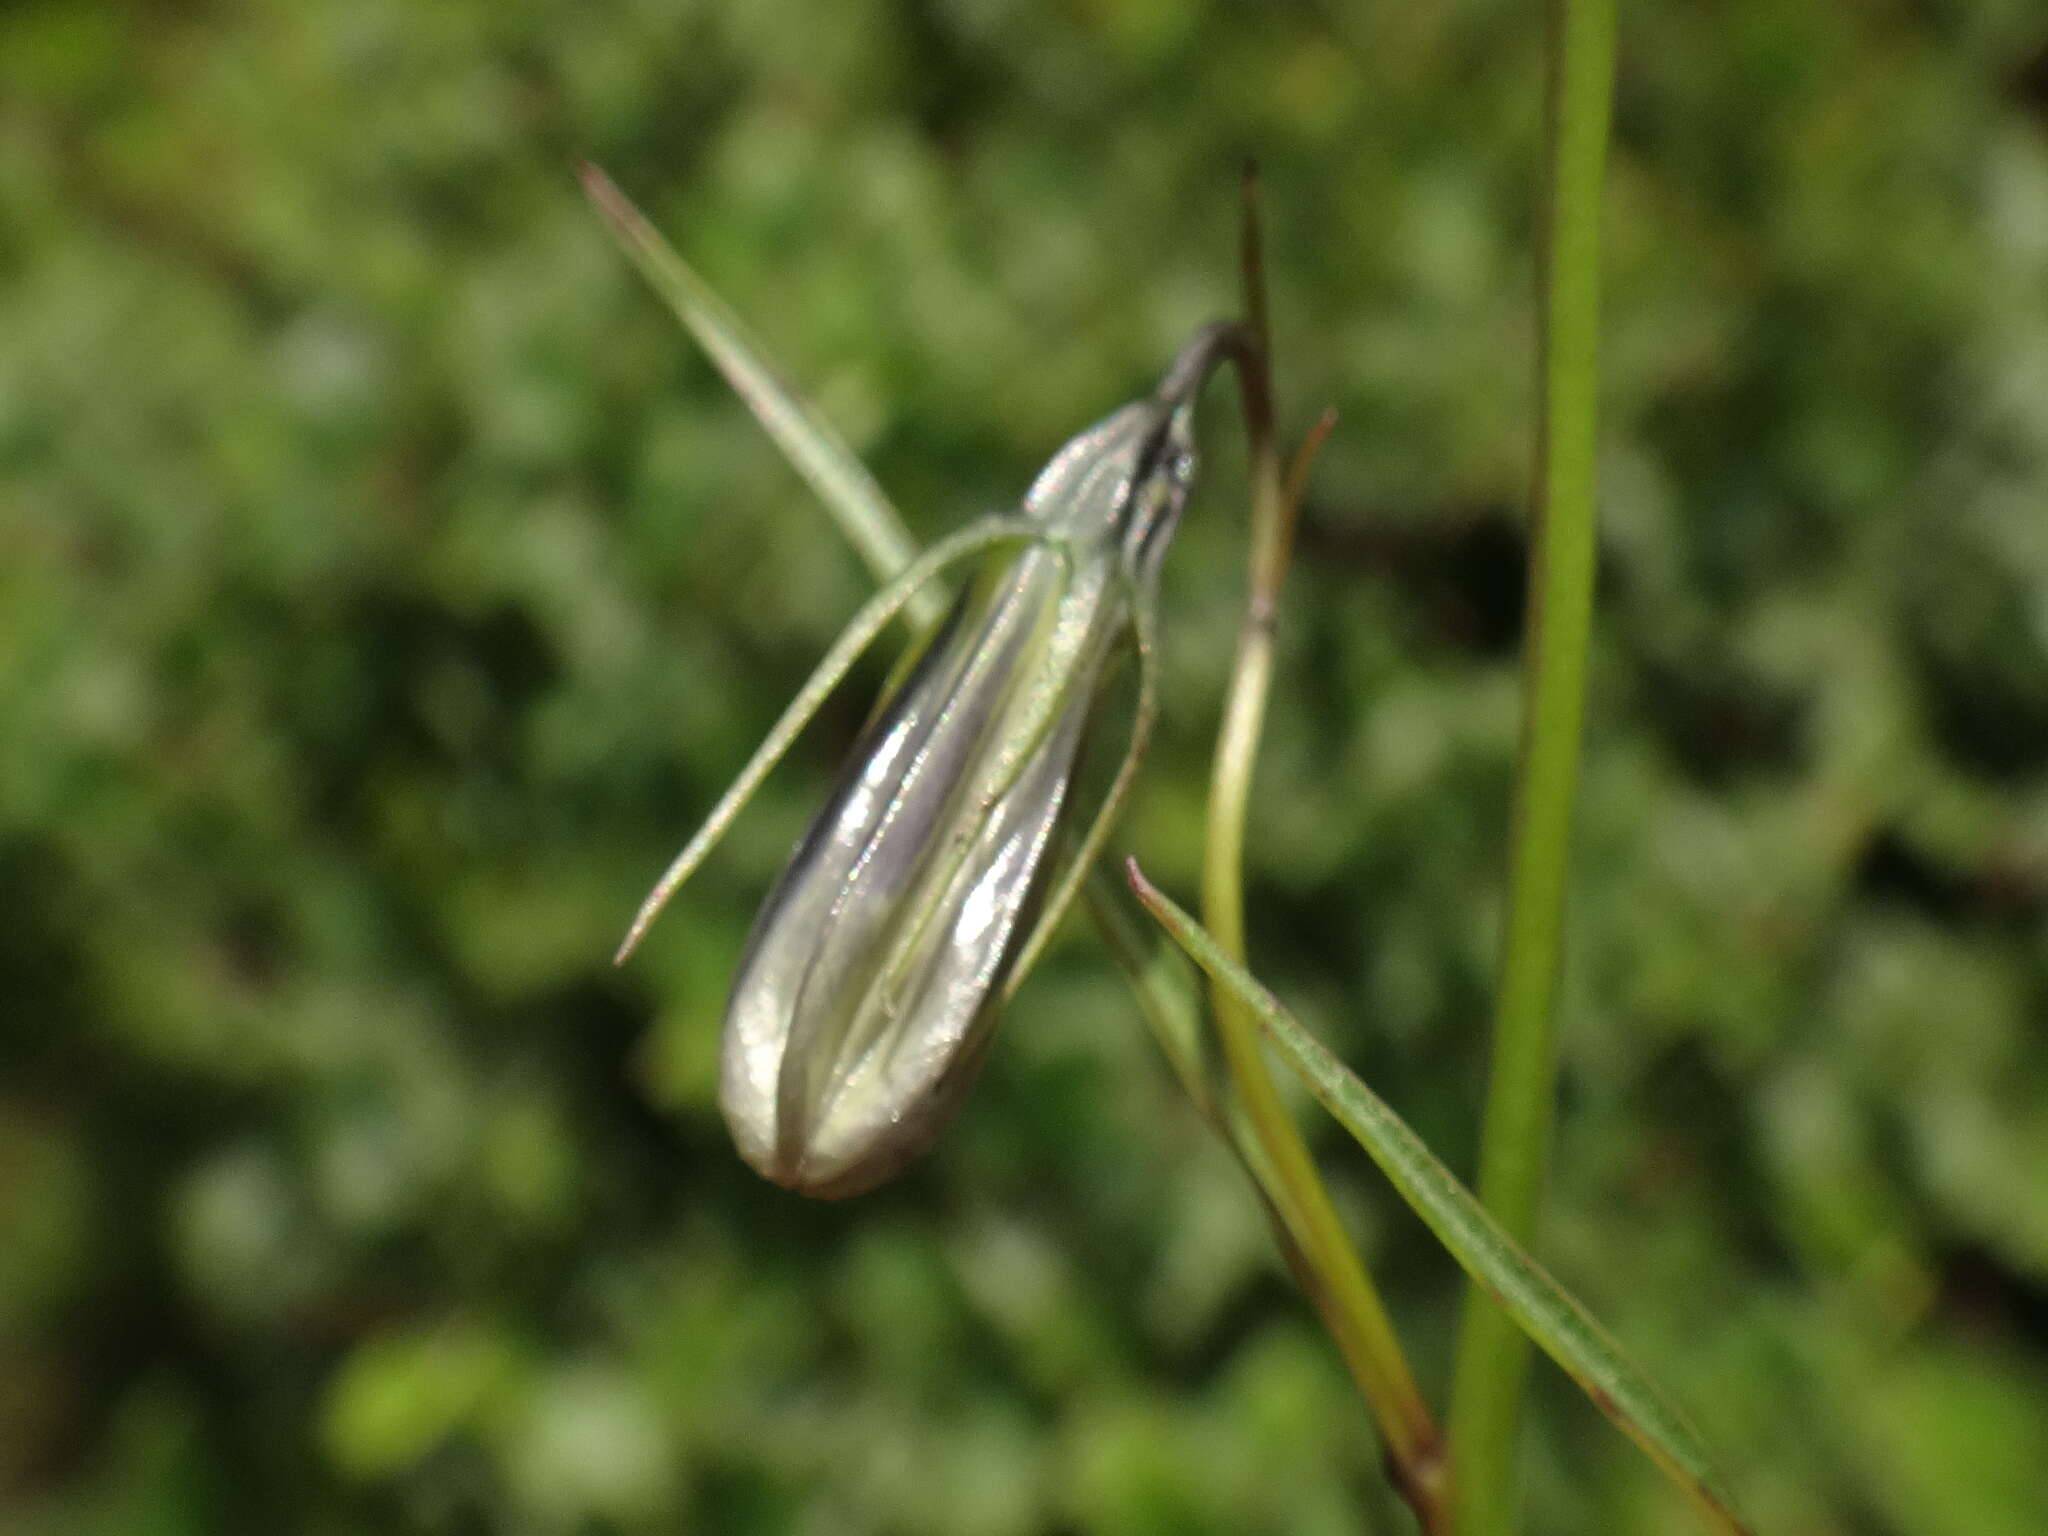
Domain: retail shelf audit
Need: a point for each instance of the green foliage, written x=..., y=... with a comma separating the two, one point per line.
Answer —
x=385, y=587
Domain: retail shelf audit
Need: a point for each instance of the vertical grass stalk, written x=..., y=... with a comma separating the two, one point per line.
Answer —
x=1493, y=1355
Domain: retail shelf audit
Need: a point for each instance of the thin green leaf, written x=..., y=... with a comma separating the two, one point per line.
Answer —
x=807, y=440
x=859, y=634
x=1169, y=998
x=1560, y=1326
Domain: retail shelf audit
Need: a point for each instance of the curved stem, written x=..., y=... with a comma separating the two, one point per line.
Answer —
x=1343, y=1291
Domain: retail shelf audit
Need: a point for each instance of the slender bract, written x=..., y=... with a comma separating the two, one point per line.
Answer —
x=880, y=960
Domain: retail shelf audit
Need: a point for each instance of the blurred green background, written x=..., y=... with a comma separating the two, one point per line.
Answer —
x=386, y=587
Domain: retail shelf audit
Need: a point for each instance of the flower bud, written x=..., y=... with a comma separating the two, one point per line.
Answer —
x=875, y=972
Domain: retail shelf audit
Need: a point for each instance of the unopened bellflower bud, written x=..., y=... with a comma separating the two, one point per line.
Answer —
x=873, y=977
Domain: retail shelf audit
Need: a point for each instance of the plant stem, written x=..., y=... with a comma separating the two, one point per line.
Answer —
x=1343, y=1292
x=1493, y=1355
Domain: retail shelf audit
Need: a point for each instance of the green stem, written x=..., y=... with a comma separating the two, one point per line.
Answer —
x=1342, y=1291
x=1493, y=1355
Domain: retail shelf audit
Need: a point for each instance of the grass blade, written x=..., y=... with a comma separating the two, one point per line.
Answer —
x=807, y=440
x=1558, y=1324
x=859, y=634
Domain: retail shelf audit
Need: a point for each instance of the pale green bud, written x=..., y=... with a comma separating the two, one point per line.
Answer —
x=875, y=972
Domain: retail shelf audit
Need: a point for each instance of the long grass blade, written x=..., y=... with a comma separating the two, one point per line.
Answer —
x=1559, y=1325
x=859, y=634
x=814, y=449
